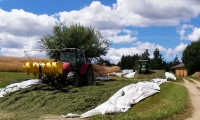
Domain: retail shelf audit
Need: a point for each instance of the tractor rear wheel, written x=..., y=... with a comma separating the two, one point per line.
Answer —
x=89, y=76
x=76, y=79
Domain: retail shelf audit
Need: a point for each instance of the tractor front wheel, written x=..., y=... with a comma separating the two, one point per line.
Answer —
x=76, y=79
x=89, y=76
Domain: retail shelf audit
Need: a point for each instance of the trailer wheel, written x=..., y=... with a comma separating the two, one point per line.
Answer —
x=76, y=79
x=89, y=76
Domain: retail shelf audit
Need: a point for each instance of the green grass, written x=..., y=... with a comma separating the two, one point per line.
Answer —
x=8, y=77
x=193, y=78
x=32, y=103
x=191, y=81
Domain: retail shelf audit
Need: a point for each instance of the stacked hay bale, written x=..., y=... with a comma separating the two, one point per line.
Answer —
x=196, y=74
x=99, y=70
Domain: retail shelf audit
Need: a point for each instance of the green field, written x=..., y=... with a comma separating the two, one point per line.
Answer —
x=32, y=103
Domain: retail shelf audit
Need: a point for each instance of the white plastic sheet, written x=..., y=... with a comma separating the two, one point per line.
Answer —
x=102, y=78
x=130, y=75
x=16, y=86
x=169, y=75
x=125, y=73
x=122, y=100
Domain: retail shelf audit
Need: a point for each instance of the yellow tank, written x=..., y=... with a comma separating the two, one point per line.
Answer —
x=44, y=67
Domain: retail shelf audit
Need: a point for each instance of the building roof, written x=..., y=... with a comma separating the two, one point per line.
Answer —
x=179, y=65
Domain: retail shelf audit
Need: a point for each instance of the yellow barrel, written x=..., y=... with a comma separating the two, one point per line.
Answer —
x=44, y=67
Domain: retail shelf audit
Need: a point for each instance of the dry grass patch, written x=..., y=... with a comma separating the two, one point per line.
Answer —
x=14, y=63
x=112, y=69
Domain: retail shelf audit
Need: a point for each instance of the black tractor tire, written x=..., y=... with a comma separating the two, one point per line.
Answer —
x=89, y=76
x=76, y=79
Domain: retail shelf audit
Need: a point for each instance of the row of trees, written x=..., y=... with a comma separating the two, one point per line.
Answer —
x=94, y=44
x=156, y=63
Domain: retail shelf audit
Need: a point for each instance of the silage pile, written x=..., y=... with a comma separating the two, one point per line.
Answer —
x=196, y=74
x=122, y=100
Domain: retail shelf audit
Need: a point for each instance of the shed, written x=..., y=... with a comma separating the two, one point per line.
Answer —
x=180, y=70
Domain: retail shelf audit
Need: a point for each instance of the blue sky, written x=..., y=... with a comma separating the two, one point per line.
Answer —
x=131, y=26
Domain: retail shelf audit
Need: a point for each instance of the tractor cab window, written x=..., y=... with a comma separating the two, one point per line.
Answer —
x=68, y=56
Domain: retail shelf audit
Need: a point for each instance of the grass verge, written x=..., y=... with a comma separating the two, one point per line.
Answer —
x=193, y=78
x=9, y=77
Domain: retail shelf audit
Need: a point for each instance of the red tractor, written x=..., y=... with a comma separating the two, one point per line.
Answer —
x=74, y=69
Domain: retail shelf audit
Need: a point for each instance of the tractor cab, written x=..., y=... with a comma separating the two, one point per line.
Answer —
x=143, y=66
x=73, y=55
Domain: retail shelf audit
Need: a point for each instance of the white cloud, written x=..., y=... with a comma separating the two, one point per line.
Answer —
x=20, y=30
x=21, y=23
x=189, y=32
x=133, y=13
x=180, y=47
x=122, y=39
x=120, y=36
x=150, y=46
x=171, y=53
x=96, y=14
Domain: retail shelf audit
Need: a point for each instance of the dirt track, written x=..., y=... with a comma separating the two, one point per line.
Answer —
x=194, y=94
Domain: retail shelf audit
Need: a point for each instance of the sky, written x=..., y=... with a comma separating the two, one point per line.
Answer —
x=130, y=26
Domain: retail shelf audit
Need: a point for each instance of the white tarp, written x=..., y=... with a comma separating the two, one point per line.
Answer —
x=16, y=86
x=102, y=78
x=125, y=73
x=169, y=75
x=122, y=100
x=130, y=75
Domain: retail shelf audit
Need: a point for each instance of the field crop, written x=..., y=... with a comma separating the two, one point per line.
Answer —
x=14, y=64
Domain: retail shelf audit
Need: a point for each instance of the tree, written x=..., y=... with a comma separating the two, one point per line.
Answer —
x=75, y=36
x=176, y=61
x=157, y=61
x=191, y=57
x=145, y=55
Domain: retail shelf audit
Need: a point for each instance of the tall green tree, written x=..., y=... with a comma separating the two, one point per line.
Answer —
x=176, y=61
x=191, y=57
x=157, y=61
x=75, y=36
x=145, y=55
